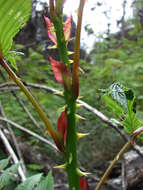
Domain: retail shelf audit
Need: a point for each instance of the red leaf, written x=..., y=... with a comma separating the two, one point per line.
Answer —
x=50, y=30
x=62, y=125
x=68, y=29
x=60, y=70
x=84, y=184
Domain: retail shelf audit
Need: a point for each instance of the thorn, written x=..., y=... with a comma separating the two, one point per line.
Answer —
x=52, y=47
x=81, y=135
x=70, y=52
x=61, y=109
x=61, y=93
x=81, y=173
x=80, y=97
x=70, y=158
x=79, y=105
x=79, y=117
x=63, y=166
x=70, y=61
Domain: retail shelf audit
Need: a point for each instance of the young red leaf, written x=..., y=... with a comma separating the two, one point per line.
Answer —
x=60, y=71
x=50, y=30
x=68, y=29
x=62, y=125
x=84, y=184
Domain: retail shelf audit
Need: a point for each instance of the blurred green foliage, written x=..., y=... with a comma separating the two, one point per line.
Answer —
x=116, y=59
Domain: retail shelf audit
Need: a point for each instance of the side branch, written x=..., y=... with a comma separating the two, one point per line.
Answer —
x=109, y=169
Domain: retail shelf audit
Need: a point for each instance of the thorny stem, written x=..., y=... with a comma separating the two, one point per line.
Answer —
x=71, y=139
x=71, y=147
x=37, y=107
x=61, y=43
x=109, y=169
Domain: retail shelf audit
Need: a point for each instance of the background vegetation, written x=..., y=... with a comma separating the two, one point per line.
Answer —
x=116, y=58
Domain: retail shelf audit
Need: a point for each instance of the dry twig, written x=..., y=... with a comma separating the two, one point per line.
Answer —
x=29, y=132
x=14, y=140
x=12, y=154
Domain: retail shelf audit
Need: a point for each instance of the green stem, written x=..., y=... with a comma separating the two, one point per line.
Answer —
x=71, y=148
x=61, y=43
x=37, y=107
x=109, y=169
x=71, y=139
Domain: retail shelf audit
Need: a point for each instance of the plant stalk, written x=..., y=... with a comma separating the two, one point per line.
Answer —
x=109, y=169
x=71, y=148
x=71, y=138
x=61, y=43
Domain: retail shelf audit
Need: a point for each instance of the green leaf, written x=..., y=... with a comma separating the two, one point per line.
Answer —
x=13, y=16
x=131, y=122
x=113, y=105
x=4, y=163
x=113, y=61
x=34, y=167
x=122, y=102
x=30, y=183
x=118, y=94
x=47, y=183
x=11, y=57
x=35, y=55
x=12, y=61
x=129, y=94
x=8, y=175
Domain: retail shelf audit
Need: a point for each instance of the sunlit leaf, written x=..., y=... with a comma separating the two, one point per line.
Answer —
x=113, y=105
x=13, y=16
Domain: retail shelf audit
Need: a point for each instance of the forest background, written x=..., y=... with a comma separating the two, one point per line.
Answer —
x=115, y=57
